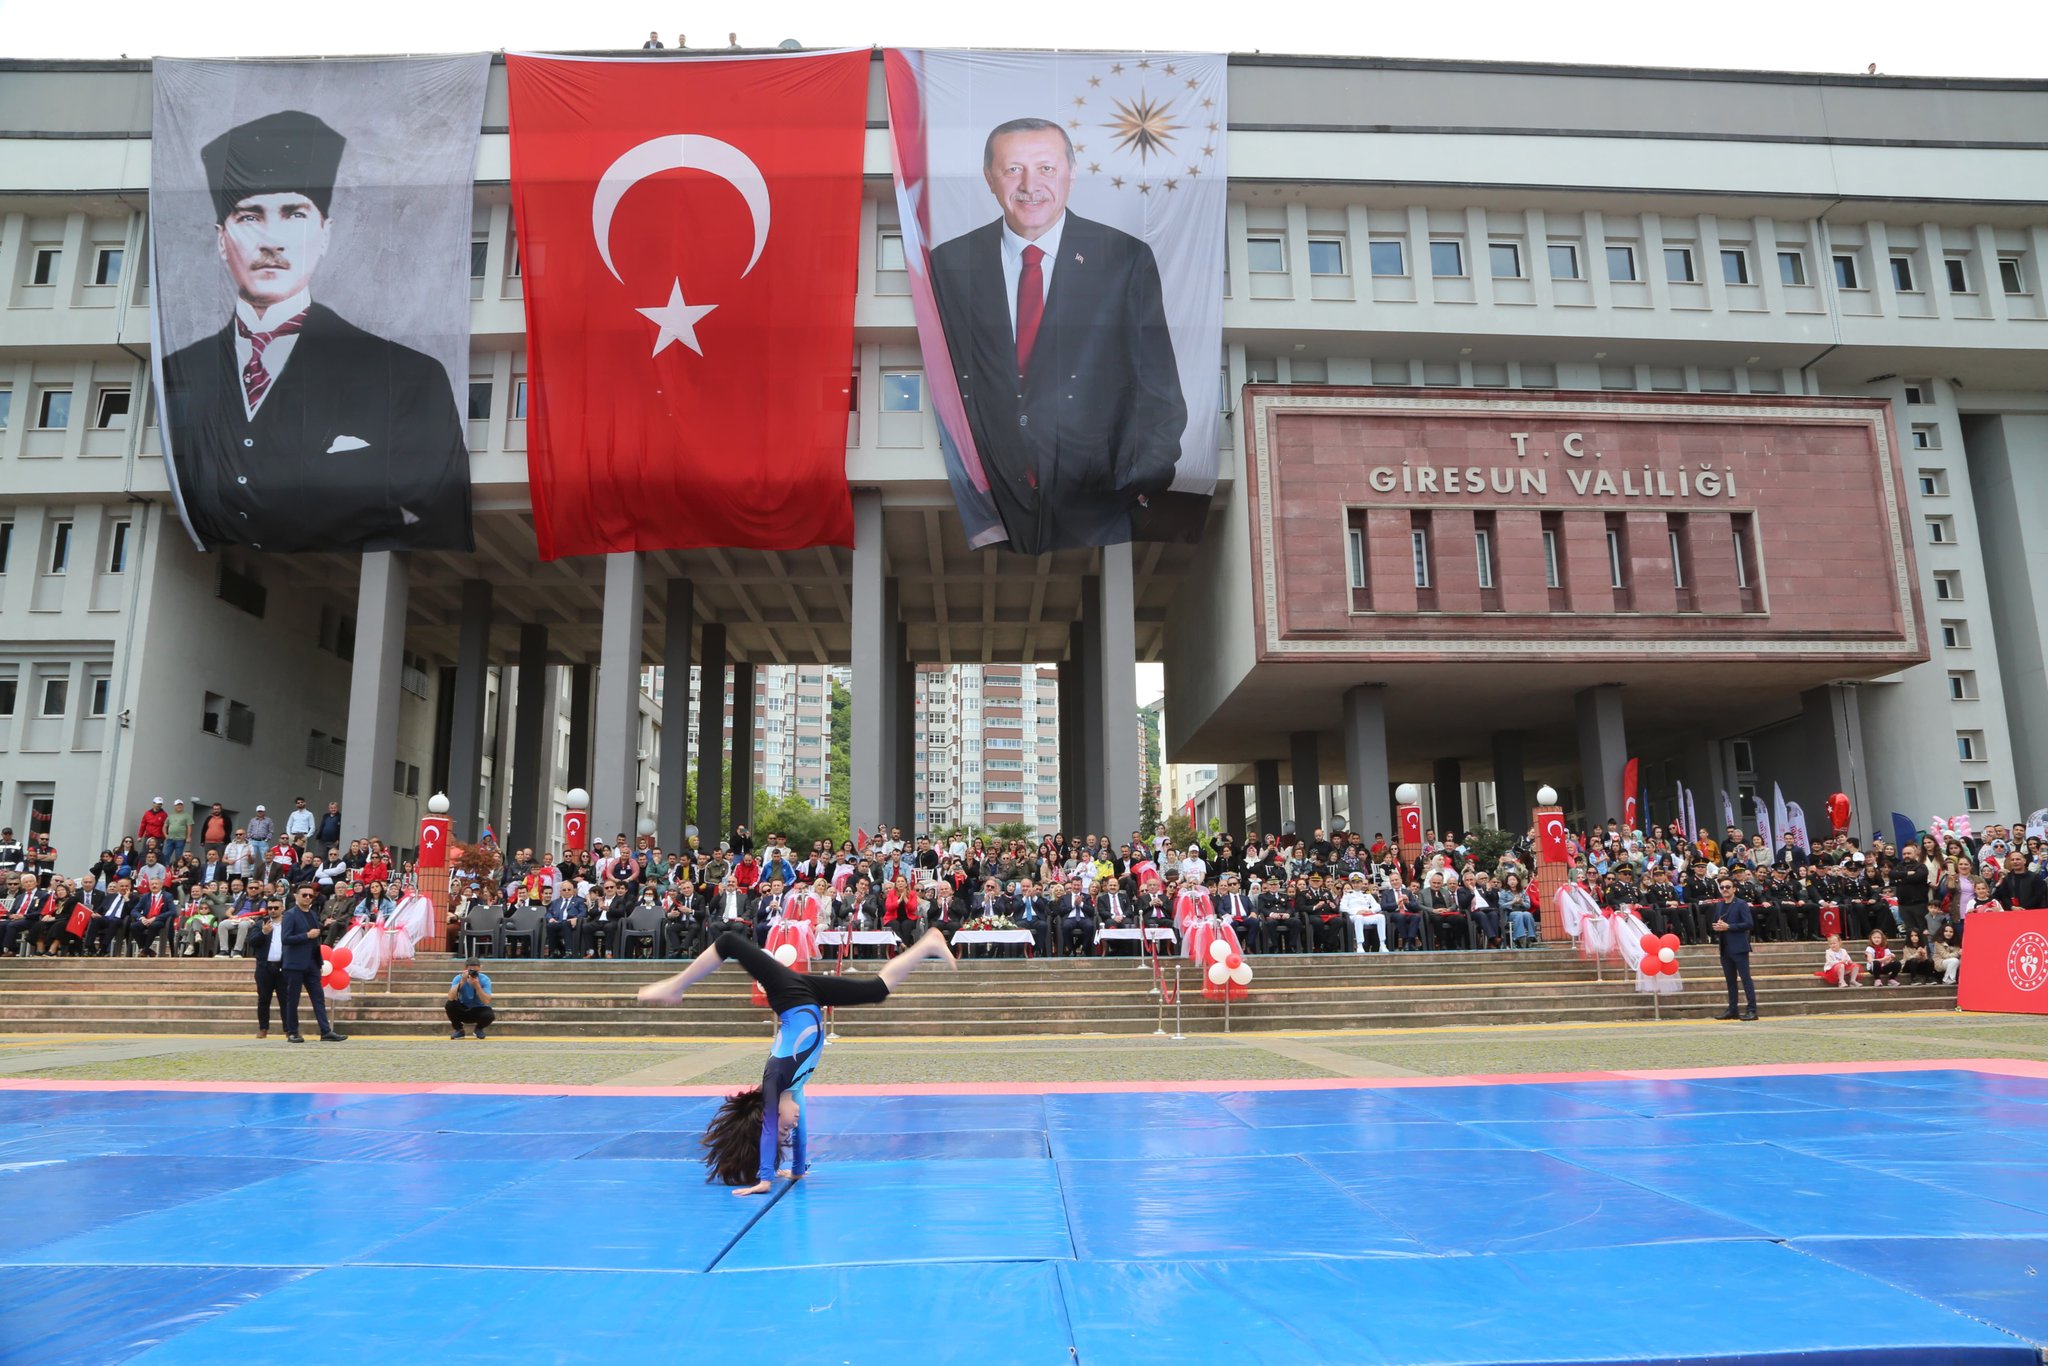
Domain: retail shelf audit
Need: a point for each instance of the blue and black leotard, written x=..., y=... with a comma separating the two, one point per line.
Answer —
x=798, y=1000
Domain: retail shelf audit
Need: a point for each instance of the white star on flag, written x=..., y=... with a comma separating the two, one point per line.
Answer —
x=677, y=320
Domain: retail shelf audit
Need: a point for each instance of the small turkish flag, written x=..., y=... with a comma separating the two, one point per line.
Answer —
x=860, y=840
x=689, y=240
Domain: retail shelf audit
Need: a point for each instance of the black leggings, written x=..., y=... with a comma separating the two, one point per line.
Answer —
x=785, y=988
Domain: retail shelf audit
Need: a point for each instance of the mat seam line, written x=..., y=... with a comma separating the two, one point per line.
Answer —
x=770, y=1203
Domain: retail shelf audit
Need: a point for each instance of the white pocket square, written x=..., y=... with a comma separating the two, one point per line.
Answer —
x=347, y=443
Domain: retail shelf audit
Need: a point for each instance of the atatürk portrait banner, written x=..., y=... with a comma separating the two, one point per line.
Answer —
x=1062, y=219
x=311, y=230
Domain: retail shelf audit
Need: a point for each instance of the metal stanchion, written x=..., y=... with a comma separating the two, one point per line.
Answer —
x=1226, y=1006
x=1177, y=1034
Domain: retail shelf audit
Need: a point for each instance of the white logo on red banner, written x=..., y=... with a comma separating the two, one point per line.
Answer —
x=2026, y=963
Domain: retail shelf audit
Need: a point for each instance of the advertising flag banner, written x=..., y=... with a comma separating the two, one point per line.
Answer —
x=689, y=234
x=1062, y=230
x=1763, y=823
x=310, y=224
x=1781, y=819
x=1795, y=826
x=1728, y=811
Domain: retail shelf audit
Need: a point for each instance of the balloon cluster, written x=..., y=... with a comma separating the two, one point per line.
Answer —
x=1228, y=974
x=1660, y=955
x=334, y=967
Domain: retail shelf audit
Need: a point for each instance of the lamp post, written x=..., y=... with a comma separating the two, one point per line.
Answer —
x=1408, y=819
x=1553, y=861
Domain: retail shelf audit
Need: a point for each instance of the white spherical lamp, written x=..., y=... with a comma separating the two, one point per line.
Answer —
x=578, y=799
x=646, y=826
x=1546, y=795
x=1407, y=794
x=438, y=804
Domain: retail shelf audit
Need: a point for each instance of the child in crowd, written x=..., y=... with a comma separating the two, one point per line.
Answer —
x=1880, y=962
x=1948, y=955
x=1838, y=968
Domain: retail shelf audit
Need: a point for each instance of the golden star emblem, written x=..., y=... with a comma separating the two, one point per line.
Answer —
x=1208, y=104
x=1194, y=170
x=1080, y=101
x=1094, y=80
x=1143, y=125
x=1145, y=65
x=1116, y=182
x=1172, y=72
x=1116, y=68
x=1094, y=168
x=1194, y=84
x=1143, y=188
x=1172, y=185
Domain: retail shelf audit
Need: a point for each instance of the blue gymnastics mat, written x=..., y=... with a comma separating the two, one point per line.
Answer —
x=1882, y=1217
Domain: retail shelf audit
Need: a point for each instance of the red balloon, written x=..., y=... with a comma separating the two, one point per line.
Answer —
x=336, y=981
x=343, y=957
x=326, y=952
x=1233, y=962
x=1649, y=943
x=1669, y=941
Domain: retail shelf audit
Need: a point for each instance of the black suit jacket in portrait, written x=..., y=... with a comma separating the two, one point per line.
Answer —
x=357, y=445
x=1097, y=422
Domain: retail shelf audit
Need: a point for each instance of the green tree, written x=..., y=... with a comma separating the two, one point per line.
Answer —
x=799, y=823
x=1011, y=830
x=1148, y=796
x=839, y=763
x=1180, y=831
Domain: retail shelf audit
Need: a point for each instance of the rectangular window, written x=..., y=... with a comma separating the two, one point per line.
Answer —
x=2010, y=277
x=1482, y=546
x=479, y=400
x=1325, y=256
x=903, y=391
x=56, y=696
x=1934, y=483
x=1955, y=635
x=1621, y=263
x=1418, y=546
x=45, y=272
x=1354, y=540
x=1926, y=437
x=1948, y=586
x=1962, y=684
x=1917, y=391
x=889, y=251
x=1958, y=269
x=1941, y=531
x=479, y=256
x=1614, y=566
x=6, y=544
x=106, y=266
x=60, y=547
x=110, y=410
x=512, y=251
x=1974, y=798
x=1735, y=267
x=1551, y=578
x=1845, y=272
x=1677, y=559
x=1388, y=257
x=8, y=687
x=117, y=547
x=1447, y=258
x=1505, y=260
x=97, y=690
x=1792, y=267
x=6, y=407
x=1678, y=265
x=1266, y=255
x=1564, y=260
x=1970, y=745
x=1741, y=559
x=519, y=400
x=53, y=413
x=1902, y=274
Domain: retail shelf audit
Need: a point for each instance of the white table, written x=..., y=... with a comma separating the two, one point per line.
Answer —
x=996, y=937
x=835, y=938
x=1157, y=934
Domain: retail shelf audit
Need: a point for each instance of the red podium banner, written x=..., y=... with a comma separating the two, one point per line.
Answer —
x=2005, y=963
x=575, y=831
x=433, y=842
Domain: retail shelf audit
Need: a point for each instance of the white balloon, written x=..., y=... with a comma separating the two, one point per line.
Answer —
x=1667, y=954
x=1218, y=973
x=785, y=954
x=1218, y=950
x=1242, y=974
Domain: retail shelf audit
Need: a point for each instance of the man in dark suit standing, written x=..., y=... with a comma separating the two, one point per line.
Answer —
x=1057, y=329
x=291, y=428
x=1732, y=923
x=294, y=944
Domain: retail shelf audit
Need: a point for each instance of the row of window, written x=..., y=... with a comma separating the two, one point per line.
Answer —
x=1388, y=257
x=45, y=262
x=110, y=407
x=55, y=696
x=60, y=535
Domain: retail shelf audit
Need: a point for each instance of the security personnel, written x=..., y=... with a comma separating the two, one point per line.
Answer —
x=291, y=428
x=1732, y=923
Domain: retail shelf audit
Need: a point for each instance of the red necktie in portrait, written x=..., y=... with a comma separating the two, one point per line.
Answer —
x=1030, y=306
x=256, y=377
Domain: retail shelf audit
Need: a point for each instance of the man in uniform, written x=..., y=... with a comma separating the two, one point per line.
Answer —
x=291, y=428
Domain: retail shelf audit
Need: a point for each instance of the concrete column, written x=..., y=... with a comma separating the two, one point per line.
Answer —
x=1832, y=716
x=1073, y=814
x=1448, y=798
x=1267, y=774
x=867, y=750
x=466, y=740
x=743, y=723
x=366, y=796
x=1510, y=783
x=1094, y=810
x=1603, y=749
x=499, y=742
x=615, y=762
x=1233, y=813
x=711, y=826
x=893, y=748
x=532, y=723
x=1365, y=760
x=581, y=692
x=679, y=611
x=907, y=801
x=1117, y=669
x=1304, y=773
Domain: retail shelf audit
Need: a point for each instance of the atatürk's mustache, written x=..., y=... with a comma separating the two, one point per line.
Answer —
x=271, y=260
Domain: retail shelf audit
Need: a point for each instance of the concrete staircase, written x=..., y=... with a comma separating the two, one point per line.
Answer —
x=552, y=999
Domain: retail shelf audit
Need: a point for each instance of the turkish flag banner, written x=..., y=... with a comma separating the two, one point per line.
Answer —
x=689, y=239
x=575, y=831
x=433, y=842
x=1550, y=833
x=1411, y=825
x=1629, y=789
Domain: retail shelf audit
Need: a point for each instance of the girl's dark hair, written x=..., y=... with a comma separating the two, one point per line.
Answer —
x=732, y=1140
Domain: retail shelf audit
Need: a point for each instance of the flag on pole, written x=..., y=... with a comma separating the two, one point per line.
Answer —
x=1780, y=818
x=1903, y=830
x=1795, y=825
x=1727, y=810
x=1763, y=823
x=1629, y=773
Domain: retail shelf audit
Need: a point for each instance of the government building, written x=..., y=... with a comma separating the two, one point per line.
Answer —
x=1572, y=415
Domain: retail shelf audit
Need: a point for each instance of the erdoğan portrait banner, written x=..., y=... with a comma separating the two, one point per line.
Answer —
x=689, y=238
x=1062, y=219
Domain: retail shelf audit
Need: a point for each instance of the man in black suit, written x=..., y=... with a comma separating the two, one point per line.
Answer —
x=1077, y=920
x=1057, y=329
x=293, y=945
x=1732, y=923
x=110, y=919
x=24, y=907
x=1114, y=910
x=562, y=936
x=291, y=428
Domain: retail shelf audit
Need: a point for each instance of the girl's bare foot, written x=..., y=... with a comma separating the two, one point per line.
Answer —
x=941, y=949
x=758, y=1188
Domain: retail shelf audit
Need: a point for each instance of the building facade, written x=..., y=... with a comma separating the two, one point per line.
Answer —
x=988, y=746
x=1826, y=290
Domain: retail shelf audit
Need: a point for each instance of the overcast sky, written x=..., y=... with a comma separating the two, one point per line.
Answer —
x=1960, y=38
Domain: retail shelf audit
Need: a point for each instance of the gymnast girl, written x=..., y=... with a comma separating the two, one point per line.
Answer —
x=746, y=1138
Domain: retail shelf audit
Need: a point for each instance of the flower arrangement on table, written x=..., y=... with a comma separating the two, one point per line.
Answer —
x=992, y=922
